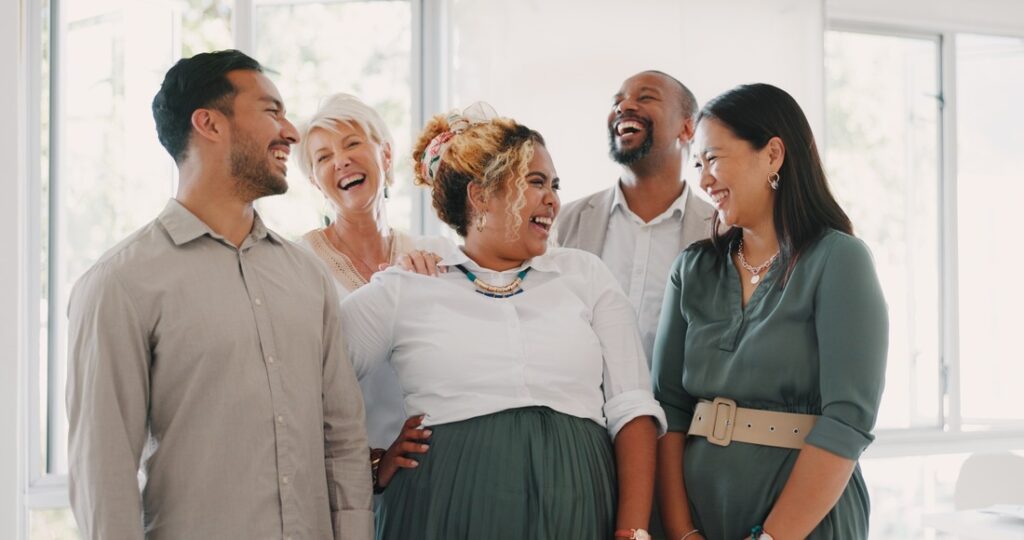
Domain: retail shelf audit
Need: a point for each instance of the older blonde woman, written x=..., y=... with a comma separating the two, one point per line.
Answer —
x=346, y=151
x=524, y=361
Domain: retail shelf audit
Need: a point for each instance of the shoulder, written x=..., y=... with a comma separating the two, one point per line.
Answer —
x=129, y=262
x=602, y=198
x=698, y=206
x=836, y=246
x=572, y=259
x=436, y=244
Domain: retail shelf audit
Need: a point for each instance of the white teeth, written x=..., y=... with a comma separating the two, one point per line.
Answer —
x=280, y=154
x=628, y=124
x=543, y=220
x=718, y=196
x=348, y=181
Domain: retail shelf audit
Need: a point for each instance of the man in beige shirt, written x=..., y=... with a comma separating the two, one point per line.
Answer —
x=206, y=362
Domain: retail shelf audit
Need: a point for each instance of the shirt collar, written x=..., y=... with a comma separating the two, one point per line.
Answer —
x=183, y=226
x=676, y=209
x=454, y=255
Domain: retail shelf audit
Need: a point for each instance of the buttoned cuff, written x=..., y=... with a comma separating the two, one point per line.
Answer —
x=353, y=525
x=839, y=438
x=623, y=408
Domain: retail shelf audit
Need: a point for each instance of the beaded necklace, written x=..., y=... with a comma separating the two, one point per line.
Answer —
x=494, y=291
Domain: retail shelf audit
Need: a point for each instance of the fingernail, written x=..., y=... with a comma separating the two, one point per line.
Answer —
x=426, y=432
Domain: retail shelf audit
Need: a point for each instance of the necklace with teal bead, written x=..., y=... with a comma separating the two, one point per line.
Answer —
x=495, y=291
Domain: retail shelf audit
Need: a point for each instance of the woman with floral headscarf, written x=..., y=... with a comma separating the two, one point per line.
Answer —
x=523, y=363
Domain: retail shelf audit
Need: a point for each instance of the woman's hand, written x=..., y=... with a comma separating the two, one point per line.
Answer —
x=410, y=441
x=419, y=261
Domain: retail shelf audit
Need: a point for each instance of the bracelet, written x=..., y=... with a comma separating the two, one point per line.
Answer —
x=376, y=454
x=695, y=531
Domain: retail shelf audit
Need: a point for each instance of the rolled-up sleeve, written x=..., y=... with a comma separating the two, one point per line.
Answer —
x=627, y=386
x=107, y=401
x=346, y=450
x=668, y=355
x=852, y=328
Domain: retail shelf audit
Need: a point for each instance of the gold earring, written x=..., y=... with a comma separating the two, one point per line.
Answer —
x=481, y=221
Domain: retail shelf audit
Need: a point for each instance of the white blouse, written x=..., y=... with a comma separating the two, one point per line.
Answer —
x=569, y=341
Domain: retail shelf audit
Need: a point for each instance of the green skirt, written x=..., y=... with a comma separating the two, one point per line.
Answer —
x=520, y=473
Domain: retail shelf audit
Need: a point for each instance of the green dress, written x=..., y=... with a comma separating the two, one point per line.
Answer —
x=816, y=346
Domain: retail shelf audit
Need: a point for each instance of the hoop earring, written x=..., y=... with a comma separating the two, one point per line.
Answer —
x=481, y=222
x=773, y=180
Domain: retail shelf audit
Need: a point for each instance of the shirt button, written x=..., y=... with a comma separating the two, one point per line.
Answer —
x=258, y=302
x=270, y=359
x=284, y=480
x=280, y=419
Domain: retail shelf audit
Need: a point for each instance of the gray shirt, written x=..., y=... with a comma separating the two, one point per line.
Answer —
x=216, y=378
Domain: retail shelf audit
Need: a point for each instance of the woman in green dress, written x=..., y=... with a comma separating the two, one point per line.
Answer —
x=770, y=354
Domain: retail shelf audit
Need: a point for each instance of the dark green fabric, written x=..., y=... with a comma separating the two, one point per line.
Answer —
x=817, y=346
x=522, y=473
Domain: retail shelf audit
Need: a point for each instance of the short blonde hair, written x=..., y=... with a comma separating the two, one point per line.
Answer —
x=338, y=109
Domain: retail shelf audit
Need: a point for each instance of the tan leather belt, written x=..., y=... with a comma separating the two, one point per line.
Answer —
x=722, y=422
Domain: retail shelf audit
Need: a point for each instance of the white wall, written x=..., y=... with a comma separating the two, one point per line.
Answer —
x=12, y=298
x=556, y=65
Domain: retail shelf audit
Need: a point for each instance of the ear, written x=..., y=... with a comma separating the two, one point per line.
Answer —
x=776, y=153
x=476, y=197
x=386, y=151
x=686, y=135
x=209, y=124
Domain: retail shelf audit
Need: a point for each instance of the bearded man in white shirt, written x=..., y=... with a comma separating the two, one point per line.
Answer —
x=641, y=224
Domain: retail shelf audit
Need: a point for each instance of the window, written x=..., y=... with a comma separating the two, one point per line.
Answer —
x=989, y=190
x=883, y=158
x=921, y=151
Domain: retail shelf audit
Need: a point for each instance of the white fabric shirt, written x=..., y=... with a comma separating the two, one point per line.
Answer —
x=568, y=342
x=640, y=256
x=385, y=412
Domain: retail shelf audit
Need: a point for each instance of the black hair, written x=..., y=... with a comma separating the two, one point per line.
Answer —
x=804, y=205
x=195, y=83
x=688, y=101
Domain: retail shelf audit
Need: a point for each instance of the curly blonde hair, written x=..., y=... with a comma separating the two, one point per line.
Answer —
x=494, y=155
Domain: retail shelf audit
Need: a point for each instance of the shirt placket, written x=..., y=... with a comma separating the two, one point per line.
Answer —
x=274, y=364
x=638, y=272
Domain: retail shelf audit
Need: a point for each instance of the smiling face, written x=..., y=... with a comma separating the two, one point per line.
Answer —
x=735, y=174
x=646, y=115
x=541, y=205
x=349, y=167
x=261, y=136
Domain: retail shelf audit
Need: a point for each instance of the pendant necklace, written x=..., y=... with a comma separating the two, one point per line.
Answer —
x=755, y=270
x=495, y=291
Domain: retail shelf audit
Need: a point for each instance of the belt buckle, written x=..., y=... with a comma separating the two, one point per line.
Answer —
x=723, y=421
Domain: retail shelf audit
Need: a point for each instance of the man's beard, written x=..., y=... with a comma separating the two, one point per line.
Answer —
x=629, y=157
x=251, y=170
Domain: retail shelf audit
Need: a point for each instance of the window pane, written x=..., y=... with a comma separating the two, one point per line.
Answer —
x=111, y=176
x=905, y=489
x=990, y=125
x=318, y=49
x=882, y=156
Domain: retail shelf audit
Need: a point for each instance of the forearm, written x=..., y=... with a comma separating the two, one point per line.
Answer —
x=818, y=480
x=672, y=499
x=635, y=454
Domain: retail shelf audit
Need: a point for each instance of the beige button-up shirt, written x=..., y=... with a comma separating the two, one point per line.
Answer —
x=216, y=378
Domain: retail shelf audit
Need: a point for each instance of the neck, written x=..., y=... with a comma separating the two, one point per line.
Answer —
x=760, y=242
x=649, y=195
x=486, y=256
x=211, y=197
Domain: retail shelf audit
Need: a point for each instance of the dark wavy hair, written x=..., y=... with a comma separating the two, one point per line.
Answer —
x=195, y=83
x=804, y=205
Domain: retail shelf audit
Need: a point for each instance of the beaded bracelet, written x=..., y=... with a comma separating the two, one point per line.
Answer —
x=695, y=531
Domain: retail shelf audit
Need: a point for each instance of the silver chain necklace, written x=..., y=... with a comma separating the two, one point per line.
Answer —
x=755, y=270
